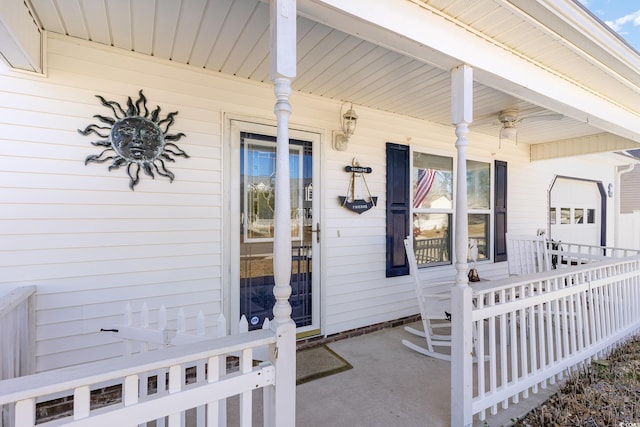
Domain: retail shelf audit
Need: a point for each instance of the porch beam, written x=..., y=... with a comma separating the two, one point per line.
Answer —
x=281, y=401
x=600, y=143
x=461, y=325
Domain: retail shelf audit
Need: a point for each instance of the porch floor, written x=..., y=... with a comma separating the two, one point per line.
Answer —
x=389, y=385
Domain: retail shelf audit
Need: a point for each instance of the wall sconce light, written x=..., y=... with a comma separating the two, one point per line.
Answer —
x=348, y=122
x=610, y=190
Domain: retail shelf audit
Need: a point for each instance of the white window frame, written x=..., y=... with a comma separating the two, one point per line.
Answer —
x=452, y=231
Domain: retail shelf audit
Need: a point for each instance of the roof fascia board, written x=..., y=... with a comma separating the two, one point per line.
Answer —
x=588, y=26
x=20, y=36
x=400, y=25
x=586, y=35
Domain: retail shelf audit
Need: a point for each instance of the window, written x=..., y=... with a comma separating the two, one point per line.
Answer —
x=578, y=216
x=552, y=216
x=591, y=216
x=479, y=205
x=565, y=215
x=432, y=178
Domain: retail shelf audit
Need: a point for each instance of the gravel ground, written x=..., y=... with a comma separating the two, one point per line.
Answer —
x=606, y=393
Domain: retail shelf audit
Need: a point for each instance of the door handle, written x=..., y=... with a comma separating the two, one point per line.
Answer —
x=317, y=230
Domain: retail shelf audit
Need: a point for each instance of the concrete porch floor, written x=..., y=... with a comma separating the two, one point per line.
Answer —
x=389, y=385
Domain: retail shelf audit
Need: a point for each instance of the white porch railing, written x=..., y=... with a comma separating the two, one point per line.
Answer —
x=21, y=394
x=568, y=254
x=17, y=337
x=536, y=328
x=17, y=332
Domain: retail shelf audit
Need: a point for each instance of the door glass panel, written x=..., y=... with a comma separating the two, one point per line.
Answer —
x=257, y=182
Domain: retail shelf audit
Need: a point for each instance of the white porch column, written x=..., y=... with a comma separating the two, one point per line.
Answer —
x=280, y=404
x=282, y=229
x=462, y=345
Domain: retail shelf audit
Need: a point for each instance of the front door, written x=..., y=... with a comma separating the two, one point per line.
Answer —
x=254, y=183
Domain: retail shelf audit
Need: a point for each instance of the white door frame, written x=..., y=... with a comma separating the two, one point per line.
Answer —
x=234, y=124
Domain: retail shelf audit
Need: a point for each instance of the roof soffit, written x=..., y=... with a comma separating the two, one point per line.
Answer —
x=556, y=35
x=450, y=42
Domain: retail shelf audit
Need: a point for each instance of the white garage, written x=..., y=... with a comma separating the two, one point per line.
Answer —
x=577, y=211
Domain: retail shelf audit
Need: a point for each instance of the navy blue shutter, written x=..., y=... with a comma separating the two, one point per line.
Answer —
x=500, y=211
x=398, y=208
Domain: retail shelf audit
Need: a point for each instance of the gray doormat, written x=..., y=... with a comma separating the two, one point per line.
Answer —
x=318, y=362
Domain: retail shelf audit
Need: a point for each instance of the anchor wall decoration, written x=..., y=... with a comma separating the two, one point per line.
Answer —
x=349, y=201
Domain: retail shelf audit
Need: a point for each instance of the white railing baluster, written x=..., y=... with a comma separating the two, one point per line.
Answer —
x=533, y=345
x=493, y=371
x=548, y=323
x=176, y=382
x=200, y=326
x=480, y=351
x=25, y=413
x=130, y=394
x=503, y=348
x=572, y=331
x=524, y=358
x=222, y=370
x=221, y=328
x=201, y=410
x=214, y=415
x=128, y=320
x=539, y=333
x=246, y=363
x=513, y=340
x=144, y=323
x=581, y=316
x=81, y=402
x=181, y=322
x=244, y=325
x=130, y=390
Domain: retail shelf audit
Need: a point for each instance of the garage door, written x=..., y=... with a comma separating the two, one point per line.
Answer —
x=575, y=211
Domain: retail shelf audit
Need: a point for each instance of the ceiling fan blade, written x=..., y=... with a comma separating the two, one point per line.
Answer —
x=541, y=117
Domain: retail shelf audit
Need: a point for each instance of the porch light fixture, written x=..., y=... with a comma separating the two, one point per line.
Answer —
x=348, y=122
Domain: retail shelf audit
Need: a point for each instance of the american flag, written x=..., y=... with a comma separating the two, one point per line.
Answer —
x=425, y=181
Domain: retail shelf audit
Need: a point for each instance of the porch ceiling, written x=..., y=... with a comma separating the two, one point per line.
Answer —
x=232, y=37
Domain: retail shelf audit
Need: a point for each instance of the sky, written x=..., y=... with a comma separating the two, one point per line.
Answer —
x=623, y=16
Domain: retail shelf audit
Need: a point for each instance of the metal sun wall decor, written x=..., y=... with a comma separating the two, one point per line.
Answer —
x=349, y=201
x=135, y=138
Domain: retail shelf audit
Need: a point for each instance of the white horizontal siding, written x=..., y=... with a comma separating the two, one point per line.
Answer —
x=630, y=191
x=92, y=245
x=78, y=232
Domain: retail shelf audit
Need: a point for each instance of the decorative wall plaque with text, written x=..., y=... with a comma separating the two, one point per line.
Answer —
x=349, y=201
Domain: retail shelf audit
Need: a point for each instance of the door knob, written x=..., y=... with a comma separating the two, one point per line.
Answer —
x=317, y=230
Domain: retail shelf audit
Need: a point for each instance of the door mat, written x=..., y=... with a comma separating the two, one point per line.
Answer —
x=318, y=362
